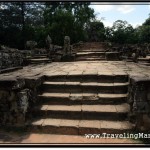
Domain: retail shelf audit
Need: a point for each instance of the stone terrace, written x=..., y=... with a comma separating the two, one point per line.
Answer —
x=112, y=68
x=66, y=68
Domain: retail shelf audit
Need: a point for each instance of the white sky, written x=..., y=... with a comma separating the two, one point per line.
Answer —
x=135, y=13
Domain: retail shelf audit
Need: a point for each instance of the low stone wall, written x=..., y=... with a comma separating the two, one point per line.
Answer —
x=112, y=56
x=139, y=100
x=17, y=97
x=10, y=58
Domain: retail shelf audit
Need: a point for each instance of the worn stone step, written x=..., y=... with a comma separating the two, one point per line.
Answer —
x=146, y=64
x=77, y=87
x=90, y=59
x=93, y=57
x=40, y=57
x=104, y=112
x=79, y=127
x=81, y=98
x=89, y=54
x=147, y=59
x=91, y=50
x=37, y=61
x=103, y=77
x=6, y=70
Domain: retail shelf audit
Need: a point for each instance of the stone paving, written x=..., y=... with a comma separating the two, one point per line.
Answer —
x=33, y=138
x=68, y=68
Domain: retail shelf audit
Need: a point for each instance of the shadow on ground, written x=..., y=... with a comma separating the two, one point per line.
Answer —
x=20, y=137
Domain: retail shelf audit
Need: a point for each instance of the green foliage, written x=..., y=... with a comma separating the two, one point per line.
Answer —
x=147, y=22
x=96, y=31
x=144, y=32
x=67, y=18
x=63, y=24
x=24, y=21
x=18, y=20
x=121, y=32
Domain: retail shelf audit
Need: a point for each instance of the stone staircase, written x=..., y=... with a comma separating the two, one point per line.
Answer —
x=96, y=55
x=144, y=61
x=90, y=55
x=39, y=58
x=79, y=104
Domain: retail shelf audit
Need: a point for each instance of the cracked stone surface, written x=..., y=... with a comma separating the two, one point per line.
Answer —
x=77, y=68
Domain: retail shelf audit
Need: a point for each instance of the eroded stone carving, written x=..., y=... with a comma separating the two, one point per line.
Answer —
x=49, y=46
x=10, y=57
x=139, y=102
x=49, y=43
x=23, y=103
x=67, y=48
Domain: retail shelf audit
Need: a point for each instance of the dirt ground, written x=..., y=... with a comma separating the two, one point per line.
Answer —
x=8, y=137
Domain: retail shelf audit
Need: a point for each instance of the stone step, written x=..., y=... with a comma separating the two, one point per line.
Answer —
x=89, y=54
x=7, y=70
x=90, y=59
x=103, y=77
x=91, y=87
x=78, y=127
x=144, y=59
x=91, y=50
x=89, y=112
x=43, y=55
x=81, y=98
x=82, y=57
x=40, y=57
x=37, y=61
x=146, y=64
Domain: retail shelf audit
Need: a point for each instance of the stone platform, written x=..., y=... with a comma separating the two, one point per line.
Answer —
x=64, y=68
x=75, y=96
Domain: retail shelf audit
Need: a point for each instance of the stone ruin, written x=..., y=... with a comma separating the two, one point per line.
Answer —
x=129, y=51
x=49, y=46
x=49, y=43
x=30, y=45
x=10, y=57
x=139, y=100
x=67, y=50
x=20, y=95
x=17, y=97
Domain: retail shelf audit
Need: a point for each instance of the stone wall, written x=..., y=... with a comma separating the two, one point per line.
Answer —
x=17, y=97
x=139, y=99
x=86, y=45
x=10, y=58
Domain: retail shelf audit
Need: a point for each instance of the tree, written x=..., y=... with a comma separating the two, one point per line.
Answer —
x=18, y=20
x=147, y=21
x=121, y=32
x=144, y=31
x=23, y=21
x=96, y=31
x=67, y=18
x=63, y=24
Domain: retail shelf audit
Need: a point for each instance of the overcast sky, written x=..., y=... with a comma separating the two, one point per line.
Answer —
x=135, y=14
